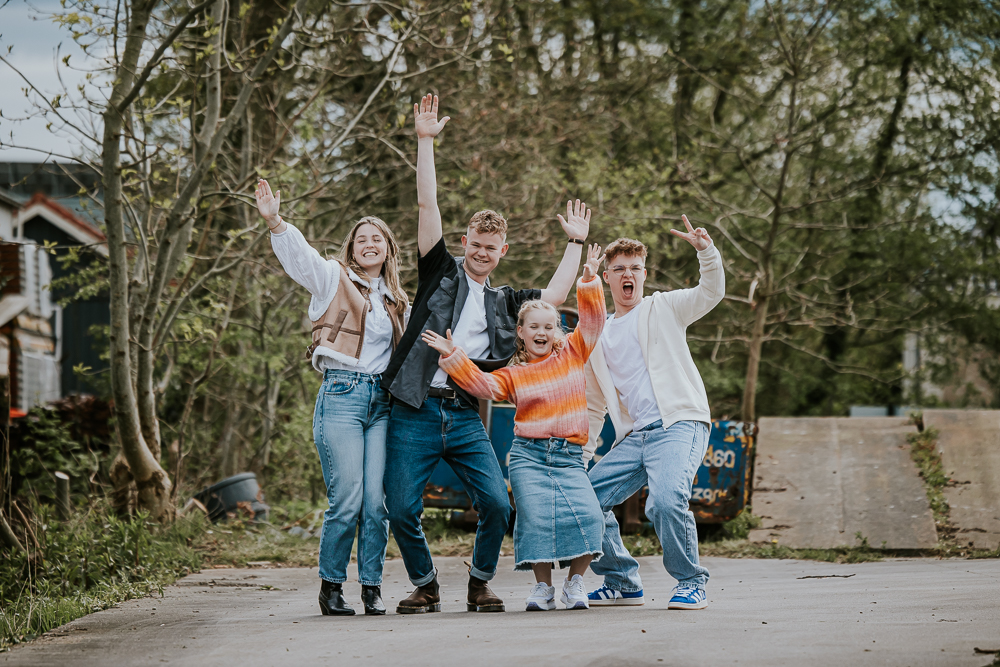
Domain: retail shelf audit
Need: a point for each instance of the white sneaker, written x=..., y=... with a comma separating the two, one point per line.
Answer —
x=574, y=596
x=541, y=598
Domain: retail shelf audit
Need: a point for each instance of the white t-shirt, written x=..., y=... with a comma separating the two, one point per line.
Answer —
x=470, y=332
x=620, y=343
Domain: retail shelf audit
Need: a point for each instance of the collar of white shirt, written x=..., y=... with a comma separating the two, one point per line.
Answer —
x=374, y=284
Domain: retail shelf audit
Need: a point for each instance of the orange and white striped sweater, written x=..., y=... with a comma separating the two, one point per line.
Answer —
x=550, y=393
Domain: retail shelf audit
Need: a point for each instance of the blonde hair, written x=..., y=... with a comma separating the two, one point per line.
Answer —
x=624, y=246
x=390, y=267
x=489, y=222
x=520, y=353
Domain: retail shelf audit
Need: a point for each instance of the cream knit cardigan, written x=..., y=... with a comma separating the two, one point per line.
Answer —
x=663, y=321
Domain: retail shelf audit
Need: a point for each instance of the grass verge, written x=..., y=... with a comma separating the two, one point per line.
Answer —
x=86, y=564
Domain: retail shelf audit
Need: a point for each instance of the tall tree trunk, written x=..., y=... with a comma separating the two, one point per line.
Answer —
x=766, y=285
x=135, y=410
x=151, y=482
x=271, y=393
x=749, y=407
x=227, y=452
x=145, y=384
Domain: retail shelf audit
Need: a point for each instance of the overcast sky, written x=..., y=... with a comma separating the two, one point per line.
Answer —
x=34, y=39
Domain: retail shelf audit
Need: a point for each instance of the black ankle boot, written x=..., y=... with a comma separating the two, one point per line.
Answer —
x=371, y=597
x=331, y=600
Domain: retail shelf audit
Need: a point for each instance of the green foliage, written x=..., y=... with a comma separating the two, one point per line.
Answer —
x=89, y=563
x=876, y=123
x=923, y=451
x=294, y=470
x=740, y=527
x=82, y=280
x=45, y=445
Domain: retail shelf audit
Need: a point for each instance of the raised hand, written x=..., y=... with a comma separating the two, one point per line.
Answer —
x=576, y=224
x=425, y=117
x=267, y=203
x=699, y=238
x=593, y=263
x=445, y=346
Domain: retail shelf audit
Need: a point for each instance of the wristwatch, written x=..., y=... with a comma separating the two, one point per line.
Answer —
x=580, y=241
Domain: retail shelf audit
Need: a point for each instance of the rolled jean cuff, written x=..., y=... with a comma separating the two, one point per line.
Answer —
x=483, y=576
x=698, y=580
x=621, y=588
x=423, y=581
x=370, y=583
x=333, y=580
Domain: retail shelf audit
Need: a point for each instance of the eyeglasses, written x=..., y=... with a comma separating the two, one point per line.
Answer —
x=619, y=270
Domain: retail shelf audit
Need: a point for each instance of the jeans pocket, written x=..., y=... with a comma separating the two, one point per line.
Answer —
x=339, y=387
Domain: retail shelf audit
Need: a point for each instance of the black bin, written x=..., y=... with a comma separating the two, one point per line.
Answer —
x=224, y=496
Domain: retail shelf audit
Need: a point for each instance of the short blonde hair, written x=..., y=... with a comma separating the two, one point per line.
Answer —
x=624, y=246
x=489, y=222
x=520, y=353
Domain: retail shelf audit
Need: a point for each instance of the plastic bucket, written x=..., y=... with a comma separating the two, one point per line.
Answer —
x=225, y=496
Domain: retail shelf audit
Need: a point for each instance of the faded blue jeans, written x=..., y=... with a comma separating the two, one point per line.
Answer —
x=666, y=459
x=443, y=428
x=349, y=428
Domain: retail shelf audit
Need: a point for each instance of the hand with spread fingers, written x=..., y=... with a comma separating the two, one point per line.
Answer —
x=699, y=238
x=445, y=346
x=593, y=263
x=267, y=203
x=576, y=224
x=425, y=117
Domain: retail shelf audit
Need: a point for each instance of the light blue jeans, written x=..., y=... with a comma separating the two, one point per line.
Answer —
x=667, y=460
x=349, y=428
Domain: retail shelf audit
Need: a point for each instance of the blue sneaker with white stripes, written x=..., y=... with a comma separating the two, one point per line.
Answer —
x=609, y=597
x=687, y=596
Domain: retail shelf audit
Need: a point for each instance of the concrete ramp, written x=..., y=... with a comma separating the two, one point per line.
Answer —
x=819, y=481
x=969, y=443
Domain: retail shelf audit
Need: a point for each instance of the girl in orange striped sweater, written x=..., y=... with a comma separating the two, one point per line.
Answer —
x=558, y=517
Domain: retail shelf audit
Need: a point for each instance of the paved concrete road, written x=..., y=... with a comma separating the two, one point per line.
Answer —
x=905, y=612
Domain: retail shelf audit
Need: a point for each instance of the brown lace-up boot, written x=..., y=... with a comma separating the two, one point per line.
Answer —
x=423, y=600
x=481, y=598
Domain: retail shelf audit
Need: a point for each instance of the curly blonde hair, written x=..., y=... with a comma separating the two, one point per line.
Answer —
x=489, y=222
x=624, y=246
x=390, y=268
x=520, y=352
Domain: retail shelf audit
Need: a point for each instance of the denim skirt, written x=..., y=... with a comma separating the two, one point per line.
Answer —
x=558, y=516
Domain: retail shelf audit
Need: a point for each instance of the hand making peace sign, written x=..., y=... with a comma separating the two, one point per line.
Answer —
x=699, y=238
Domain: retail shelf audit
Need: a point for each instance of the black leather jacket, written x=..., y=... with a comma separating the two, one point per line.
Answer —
x=441, y=293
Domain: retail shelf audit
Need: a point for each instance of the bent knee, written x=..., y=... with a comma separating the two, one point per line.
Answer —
x=494, y=506
x=670, y=503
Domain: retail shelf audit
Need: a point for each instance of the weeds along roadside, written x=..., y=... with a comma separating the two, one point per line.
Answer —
x=90, y=562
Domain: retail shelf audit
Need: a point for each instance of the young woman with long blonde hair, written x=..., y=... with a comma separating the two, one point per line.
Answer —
x=357, y=310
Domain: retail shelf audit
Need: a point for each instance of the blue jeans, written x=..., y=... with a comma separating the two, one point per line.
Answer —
x=666, y=459
x=451, y=430
x=349, y=428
